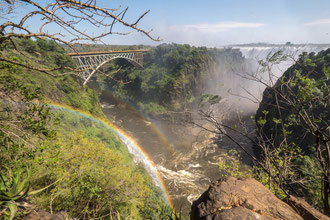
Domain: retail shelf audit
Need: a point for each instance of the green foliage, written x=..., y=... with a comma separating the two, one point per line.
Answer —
x=311, y=170
x=279, y=163
x=272, y=58
x=232, y=166
x=24, y=121
x=262, y=120
x=14, y=190
x=209, y=99
x=66, y=90
x=172, y=77
x=152, y=107
x=95, y=180
x=168, y=213
x=86, y=100
x=48, y=52
x=92, y=130
x=21, y=118
x=263, y=177
x=90, y=169
x=305, y=85
x=298, y=112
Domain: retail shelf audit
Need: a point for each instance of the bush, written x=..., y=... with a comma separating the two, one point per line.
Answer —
x=232, y=166
x=152, y=107
x=95, y=181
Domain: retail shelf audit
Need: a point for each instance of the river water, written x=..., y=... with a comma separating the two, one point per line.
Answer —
x=185, y=155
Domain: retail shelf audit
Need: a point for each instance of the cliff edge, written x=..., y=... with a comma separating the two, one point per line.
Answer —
x=233, y=198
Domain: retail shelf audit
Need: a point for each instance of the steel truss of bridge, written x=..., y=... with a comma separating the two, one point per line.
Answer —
x=89, y=62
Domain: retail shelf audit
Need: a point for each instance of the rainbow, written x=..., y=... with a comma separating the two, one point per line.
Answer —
x=132, y=146
x=153, y=127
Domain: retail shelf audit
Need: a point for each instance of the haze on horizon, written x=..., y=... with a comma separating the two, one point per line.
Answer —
x=216, y=23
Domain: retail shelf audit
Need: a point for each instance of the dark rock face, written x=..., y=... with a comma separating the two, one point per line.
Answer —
x=240, y=199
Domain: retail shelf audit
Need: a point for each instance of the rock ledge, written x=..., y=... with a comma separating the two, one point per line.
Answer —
x=233, y=198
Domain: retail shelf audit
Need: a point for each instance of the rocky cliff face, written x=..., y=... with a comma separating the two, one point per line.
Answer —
x=233, y=198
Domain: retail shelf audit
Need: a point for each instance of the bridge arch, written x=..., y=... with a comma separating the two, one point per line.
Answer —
x=133, y=62
x=90, y=62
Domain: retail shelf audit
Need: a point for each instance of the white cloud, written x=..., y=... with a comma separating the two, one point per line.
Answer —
x=221, y=26
x=321, y=21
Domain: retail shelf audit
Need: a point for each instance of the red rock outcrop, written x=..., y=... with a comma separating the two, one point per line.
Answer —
x=240, y=199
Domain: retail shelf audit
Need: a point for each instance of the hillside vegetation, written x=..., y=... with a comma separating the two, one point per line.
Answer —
x=293, y=121
x=85, y=168
x=173, y=78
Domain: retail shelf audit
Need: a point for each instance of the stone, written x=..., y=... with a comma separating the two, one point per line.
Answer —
x=233, y=198
x=42, y=215
x=304, y=209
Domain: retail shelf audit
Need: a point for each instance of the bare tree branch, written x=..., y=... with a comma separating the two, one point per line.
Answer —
x=67, y=16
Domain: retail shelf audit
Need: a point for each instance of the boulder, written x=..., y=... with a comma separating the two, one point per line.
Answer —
x=233, y=198
x=304, y=209
x=42, y=215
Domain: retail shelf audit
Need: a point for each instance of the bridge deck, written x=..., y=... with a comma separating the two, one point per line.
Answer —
x=104, y=52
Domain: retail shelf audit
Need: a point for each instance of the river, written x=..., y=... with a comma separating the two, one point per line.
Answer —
x=185, y=155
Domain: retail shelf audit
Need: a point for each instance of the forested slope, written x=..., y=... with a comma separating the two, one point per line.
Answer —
x=293, y=121
x=173, y=78
x=85, y=167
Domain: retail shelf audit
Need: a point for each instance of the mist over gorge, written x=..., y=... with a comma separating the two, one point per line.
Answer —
x=242, y=79
x=191, y=163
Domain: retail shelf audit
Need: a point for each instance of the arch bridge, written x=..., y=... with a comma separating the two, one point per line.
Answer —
x=90, y=62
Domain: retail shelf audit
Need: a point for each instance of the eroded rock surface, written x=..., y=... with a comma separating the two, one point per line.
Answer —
x=304, y=209
x=240, y=199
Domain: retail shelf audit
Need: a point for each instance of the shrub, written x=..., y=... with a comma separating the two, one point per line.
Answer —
x=94, y=179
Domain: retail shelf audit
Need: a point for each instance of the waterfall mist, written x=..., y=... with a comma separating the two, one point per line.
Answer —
x=235, y=78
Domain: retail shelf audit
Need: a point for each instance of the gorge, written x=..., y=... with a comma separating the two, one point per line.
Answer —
x=154, y=119
x=164, y=110
x=185, y=155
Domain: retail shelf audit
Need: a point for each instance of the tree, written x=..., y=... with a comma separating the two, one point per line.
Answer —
x=292, y=127
x=298, y=106
x=62, y=21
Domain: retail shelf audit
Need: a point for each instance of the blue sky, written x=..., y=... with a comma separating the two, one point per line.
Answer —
x=216, y=23
x=222, y=22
